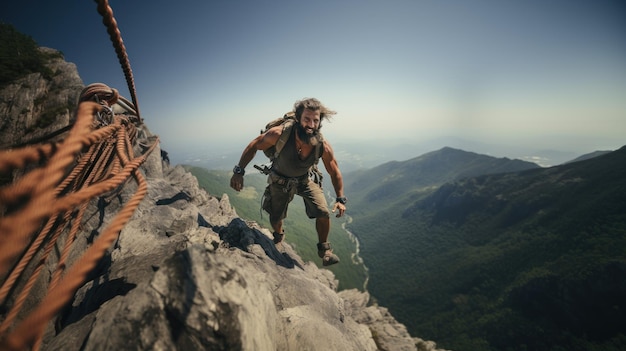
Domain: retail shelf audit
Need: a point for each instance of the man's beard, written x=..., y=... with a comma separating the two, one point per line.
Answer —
x=307, y=138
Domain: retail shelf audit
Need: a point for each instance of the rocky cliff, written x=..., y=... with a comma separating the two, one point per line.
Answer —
x=186, y=273
x=37, y=104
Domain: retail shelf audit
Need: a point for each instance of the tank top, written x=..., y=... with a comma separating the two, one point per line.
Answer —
x=289, y=164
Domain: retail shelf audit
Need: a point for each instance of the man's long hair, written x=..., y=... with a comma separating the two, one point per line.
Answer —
x=314, y=105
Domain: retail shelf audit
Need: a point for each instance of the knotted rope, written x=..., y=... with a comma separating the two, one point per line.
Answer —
x=48, y=202
x=57, y=199
x=116, y=38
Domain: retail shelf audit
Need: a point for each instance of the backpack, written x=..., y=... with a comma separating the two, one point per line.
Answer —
x=287, y=121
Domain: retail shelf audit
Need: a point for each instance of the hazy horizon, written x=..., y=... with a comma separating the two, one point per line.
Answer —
x=531, y=75
x=351, y=155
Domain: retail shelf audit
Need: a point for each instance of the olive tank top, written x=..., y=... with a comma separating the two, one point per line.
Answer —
x=288, y=163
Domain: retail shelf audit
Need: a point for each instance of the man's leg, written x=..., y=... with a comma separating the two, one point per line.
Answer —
x=316, y=207
x=278, y=226
x=278, y=233
x=322, y=225
x=275, y=203
x=324, y=251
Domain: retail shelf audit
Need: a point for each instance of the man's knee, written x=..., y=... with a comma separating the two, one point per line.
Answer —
x=323, y=219
x=324, y=214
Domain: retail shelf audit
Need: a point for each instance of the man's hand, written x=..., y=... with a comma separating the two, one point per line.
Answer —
x=236, y=181
x=341, y=207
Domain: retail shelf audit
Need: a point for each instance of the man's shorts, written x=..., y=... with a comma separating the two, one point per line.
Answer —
x=281, y=191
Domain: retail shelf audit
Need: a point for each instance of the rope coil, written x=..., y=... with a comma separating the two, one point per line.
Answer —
x=48, y=202
x=116, y=38
x=57, y=198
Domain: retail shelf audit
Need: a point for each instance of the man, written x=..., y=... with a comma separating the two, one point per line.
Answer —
x=289, y=173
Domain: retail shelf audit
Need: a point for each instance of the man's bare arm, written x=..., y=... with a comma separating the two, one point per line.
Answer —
x=330, y=163
x=262, y=142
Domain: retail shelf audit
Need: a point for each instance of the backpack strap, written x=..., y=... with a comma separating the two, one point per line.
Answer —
x=284, y=136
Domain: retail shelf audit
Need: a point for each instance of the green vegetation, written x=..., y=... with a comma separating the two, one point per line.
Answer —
x=530, y=260
x=299, y=229
x=19, y=56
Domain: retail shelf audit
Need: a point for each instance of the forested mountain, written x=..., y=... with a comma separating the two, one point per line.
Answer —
x=589, y=155
x=527, y=260
x=397, y=182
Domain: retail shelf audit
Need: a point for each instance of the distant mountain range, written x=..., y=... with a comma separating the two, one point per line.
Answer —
x=351, y=155
x=394, y=180
x=481, y=253
x=589, y=155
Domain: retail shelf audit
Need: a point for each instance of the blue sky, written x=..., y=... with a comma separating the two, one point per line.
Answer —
x=534, y=73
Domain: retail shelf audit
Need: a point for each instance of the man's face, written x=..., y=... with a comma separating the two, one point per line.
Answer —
x=310, y=121
x=309, y=124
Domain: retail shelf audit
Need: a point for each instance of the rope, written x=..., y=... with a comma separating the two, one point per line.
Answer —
x=116, y=38
x=53, y=199
x=48, y=201
x=17, y=227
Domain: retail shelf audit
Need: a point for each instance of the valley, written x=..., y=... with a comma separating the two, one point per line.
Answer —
x=478, y=252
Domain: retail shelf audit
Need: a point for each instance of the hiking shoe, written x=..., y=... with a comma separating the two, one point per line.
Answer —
x=326, y=254
x=278, y=237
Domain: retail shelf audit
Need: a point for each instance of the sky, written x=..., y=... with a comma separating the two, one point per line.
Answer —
x=210, y=74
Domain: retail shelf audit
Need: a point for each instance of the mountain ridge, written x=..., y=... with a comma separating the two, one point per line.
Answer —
x=434, y=168
x=480, y=246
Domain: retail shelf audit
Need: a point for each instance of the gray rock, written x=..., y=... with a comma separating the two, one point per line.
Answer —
x=33, y=107
x=172, y=284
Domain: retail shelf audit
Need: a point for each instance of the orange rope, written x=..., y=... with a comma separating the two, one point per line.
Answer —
x=116, y=38
x=106, y=166
x=61, y=265
x=39, y=205
x=25, y=334
x=20, y=158
x=17, y=271
x=17, y=227
x=23, y=295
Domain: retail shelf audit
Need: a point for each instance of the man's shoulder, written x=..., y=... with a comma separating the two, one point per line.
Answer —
x=275, y=132
x=271, y=136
